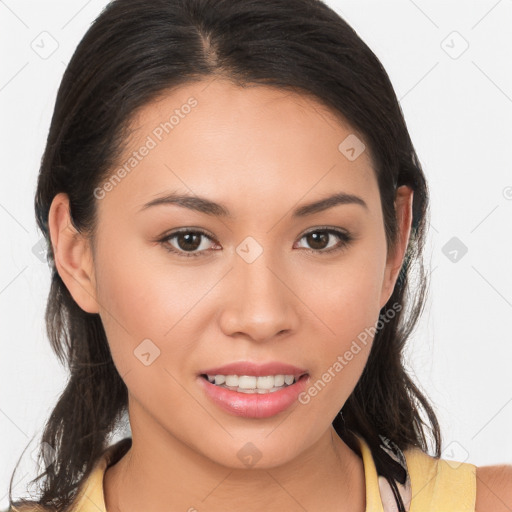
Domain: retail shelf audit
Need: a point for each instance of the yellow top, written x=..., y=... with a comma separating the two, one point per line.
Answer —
x=437, y=485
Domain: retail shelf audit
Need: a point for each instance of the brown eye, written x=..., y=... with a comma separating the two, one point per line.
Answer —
x=187, y=242
x=319, y=239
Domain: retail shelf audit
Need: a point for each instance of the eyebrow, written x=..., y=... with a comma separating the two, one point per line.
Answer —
x=203, y=205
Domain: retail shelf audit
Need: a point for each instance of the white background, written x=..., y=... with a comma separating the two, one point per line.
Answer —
x=459, y=113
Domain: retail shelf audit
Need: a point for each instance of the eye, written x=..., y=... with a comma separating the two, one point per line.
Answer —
x=187, y=240
x=318, y=240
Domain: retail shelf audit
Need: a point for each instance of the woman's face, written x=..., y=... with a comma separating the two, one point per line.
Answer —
x=266, y=284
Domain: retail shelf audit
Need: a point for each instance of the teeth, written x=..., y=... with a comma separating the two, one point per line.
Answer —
x=245, y=382
x=279, y=380
x=266, y=382
x=251, y=383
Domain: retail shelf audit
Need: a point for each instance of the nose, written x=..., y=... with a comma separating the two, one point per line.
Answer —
x=260, y=303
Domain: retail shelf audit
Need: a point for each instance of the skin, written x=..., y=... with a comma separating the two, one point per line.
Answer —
x=494, y=488
x=261, y=152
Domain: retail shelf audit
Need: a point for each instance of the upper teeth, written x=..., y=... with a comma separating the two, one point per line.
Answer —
x=252, y=382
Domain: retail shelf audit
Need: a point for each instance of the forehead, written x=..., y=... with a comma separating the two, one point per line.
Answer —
x=262, y=143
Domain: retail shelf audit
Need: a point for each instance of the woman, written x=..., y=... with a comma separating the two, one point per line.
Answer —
x=233, y=207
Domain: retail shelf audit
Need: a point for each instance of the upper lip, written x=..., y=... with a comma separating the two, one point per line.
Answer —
x=255, y=369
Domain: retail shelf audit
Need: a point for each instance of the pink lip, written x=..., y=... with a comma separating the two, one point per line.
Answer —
x=254, y=405
x=256, y=370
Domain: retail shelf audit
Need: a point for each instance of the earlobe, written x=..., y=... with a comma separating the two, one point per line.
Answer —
x=403, y=208
x=72, y=254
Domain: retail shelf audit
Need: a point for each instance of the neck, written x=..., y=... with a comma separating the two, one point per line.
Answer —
x=160, y=472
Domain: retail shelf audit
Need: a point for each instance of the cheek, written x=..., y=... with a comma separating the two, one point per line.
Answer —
x=347, y=300
x=143, y=298
x=348, y=294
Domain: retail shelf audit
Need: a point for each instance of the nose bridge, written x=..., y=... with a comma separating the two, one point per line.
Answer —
x=253, y=268
x=261, y=305
x=257, y=279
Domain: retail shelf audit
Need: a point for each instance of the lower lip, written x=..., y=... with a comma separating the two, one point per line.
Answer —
x=254, y=405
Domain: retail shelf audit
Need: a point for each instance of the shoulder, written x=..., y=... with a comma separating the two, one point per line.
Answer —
x=494, y=488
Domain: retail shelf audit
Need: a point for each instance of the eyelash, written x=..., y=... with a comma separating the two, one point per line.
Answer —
x=344, y=236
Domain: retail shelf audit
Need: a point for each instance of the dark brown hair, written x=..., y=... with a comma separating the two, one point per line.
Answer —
x=137, y=50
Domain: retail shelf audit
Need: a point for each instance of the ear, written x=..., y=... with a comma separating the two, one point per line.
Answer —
x=72, y=254
x=403, y=212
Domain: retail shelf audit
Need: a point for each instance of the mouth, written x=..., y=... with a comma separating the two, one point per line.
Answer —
x=252, y=396
x=254, y=384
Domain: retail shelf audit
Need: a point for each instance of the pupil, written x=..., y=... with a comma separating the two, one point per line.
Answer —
x=188, y=237
x=315, y=237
